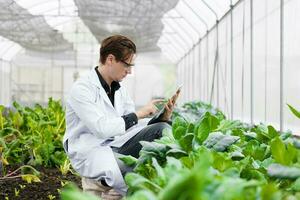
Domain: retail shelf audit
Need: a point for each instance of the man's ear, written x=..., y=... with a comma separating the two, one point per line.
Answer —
x=109, y=59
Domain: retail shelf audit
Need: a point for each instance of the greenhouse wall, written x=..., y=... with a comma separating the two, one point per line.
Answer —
x=5, y=82
x=222, y=75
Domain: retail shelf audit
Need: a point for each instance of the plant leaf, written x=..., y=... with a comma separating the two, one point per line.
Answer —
x=219, y=142
x=294, y=111
x=129, y=160
x=29, y=178
x=283, y=154
x=283, y=172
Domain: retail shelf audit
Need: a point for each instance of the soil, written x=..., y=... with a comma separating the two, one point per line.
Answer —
x=52, y=180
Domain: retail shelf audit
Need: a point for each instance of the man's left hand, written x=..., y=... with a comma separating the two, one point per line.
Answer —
x=170, y=106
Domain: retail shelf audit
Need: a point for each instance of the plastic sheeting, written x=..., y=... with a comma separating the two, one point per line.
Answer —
x=190, y=21
x=30, y=31
x=253, y=98
x=140, y=20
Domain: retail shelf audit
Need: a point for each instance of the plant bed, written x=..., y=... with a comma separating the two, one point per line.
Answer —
x=51, y=183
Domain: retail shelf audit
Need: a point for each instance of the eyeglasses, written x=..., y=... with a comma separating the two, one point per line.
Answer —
x=127, y=65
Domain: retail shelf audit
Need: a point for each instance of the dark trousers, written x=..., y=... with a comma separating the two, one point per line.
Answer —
x=132, y=146
x=149, y=133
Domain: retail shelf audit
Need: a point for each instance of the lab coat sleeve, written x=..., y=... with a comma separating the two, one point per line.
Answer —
x=82, y=101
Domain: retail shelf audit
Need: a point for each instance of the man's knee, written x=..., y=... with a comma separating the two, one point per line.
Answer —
x=160, y=126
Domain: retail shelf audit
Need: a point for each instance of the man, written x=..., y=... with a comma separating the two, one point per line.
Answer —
x=102, y=123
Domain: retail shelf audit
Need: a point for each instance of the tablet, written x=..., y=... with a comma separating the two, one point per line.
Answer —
x=159, y=114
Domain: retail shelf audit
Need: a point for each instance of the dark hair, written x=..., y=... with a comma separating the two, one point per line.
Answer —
x=119, y=46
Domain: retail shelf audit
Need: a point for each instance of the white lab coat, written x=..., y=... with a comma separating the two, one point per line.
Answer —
x=90, y=121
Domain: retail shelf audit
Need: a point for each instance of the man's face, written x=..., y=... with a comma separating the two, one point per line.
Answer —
x=119, y=70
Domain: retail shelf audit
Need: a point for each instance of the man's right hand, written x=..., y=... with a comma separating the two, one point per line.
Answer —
x=148, y=109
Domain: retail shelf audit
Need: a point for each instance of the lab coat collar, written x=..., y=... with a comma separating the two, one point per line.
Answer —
x=114, y=85
x=93, y=77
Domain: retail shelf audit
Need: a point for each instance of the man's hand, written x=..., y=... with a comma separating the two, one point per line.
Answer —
x=148, y=109
x=170, y=106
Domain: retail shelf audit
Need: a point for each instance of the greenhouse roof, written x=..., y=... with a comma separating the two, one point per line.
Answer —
x=30, y=31
x=60, y=25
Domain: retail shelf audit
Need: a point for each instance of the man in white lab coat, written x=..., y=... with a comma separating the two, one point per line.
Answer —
x=102, y=123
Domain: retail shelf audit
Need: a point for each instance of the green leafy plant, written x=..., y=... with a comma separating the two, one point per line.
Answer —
x=65, y=167
x=71, y=192
x=33, y=135
x=17, y=192
x=31, y=176
x=51, y=197
x=216, y=158
x=204, y=156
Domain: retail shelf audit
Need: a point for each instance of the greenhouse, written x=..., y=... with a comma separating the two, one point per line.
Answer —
x=150, y=99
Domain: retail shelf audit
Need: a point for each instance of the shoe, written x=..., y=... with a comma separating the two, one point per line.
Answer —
x=93, y=187
x=111, y=195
